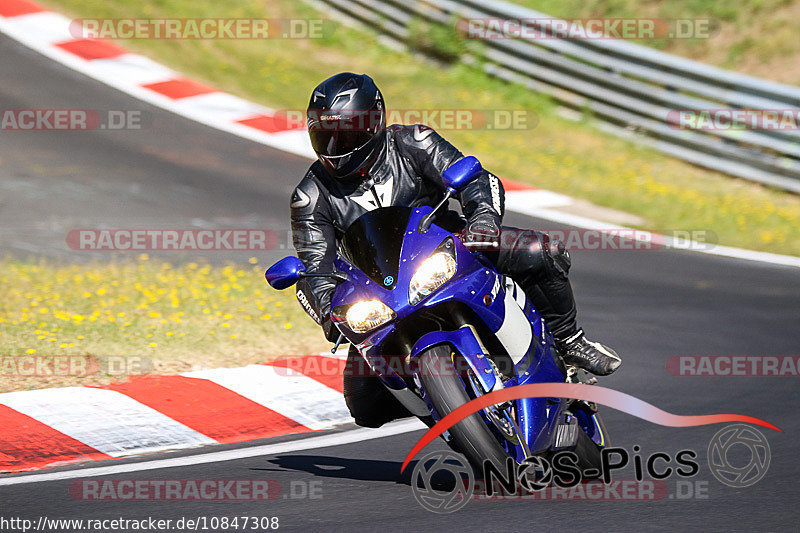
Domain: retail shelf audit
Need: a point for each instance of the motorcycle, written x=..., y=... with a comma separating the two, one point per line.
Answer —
x=409, y=290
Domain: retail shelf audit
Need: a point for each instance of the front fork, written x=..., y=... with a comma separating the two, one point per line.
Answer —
x=484, y=377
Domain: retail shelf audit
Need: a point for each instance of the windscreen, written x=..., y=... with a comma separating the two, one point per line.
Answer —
x=374, y=241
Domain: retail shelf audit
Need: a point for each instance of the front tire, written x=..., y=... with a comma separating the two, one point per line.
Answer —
x=471, y=436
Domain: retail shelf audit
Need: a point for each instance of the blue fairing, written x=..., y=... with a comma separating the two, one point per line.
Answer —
x=495, y=303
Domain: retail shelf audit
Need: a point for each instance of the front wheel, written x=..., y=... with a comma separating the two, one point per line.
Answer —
x=444, y=387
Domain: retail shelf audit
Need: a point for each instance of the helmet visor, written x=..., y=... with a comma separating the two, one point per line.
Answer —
x=341, y=132
x=338, y=142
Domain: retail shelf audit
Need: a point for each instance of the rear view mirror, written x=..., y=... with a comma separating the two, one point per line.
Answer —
x=461, y=173
x=284, y=273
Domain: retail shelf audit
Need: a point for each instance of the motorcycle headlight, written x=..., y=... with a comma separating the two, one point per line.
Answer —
x=367, y=315
x=434, y=272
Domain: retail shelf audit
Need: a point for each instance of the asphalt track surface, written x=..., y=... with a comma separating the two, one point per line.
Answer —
x=649, y=305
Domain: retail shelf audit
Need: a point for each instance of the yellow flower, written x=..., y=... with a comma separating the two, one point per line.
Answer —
x=30, y=350
x=153, y=344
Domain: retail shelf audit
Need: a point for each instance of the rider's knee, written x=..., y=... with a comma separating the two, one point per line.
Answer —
x=369, y=403
x=544, y=256
x=559, y=256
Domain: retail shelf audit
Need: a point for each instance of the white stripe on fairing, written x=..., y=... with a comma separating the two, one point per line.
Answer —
x=285, y=391
x=106, y=420
x=519, y=296
x=515, y=333
x=44, y=27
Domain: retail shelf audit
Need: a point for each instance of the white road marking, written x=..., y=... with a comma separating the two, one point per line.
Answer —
x=222, y=106
x=322, y=441
x=131, y=70
x=44, y=27
x=520, y=201
x=106, y=420
x=669, y=242
x=295, y=142
x=285, y=391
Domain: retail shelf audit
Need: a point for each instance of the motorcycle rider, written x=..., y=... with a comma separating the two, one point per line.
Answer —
x=364, y=164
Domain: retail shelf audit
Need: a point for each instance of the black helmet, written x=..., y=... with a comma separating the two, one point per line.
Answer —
x=346, y=123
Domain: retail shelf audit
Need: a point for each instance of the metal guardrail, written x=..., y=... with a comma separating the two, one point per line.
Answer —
x=632, y=87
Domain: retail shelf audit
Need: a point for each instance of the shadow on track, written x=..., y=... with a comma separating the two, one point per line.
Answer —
x=340, y=467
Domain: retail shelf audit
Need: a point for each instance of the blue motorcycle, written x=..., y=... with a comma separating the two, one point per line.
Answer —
x=440, y=326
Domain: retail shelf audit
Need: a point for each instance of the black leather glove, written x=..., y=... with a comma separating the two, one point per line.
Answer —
x=328, y=327
x=483, y=231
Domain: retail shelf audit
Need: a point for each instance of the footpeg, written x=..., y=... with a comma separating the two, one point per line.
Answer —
x=579, y=375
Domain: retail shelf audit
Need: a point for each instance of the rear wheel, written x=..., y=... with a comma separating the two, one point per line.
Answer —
x=446, y=391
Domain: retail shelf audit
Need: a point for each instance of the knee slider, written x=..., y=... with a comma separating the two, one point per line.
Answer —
x=558, y=253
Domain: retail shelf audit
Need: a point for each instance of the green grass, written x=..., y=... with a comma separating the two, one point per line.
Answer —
x=155, y=316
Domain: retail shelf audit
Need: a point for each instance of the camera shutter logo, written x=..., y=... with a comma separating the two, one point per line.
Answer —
x=448, y=500
x=736, y=436
x=535, y=473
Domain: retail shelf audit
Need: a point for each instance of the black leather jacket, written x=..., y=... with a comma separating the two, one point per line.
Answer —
x=408, y=172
